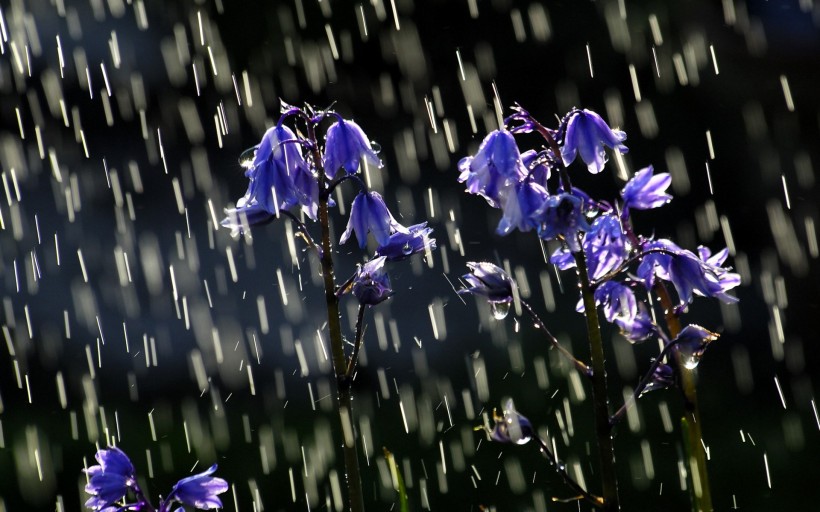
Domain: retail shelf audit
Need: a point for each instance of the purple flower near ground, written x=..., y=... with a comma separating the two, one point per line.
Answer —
x=586, y=133
x=496, y=167
x=199, y=490
x=345, y=145
x=563, y=217
x=402, y=245
x=645, y=191
x=368, y=213
x=510, y=426
x=489, y=281
x=371, y=285
x=110, y=480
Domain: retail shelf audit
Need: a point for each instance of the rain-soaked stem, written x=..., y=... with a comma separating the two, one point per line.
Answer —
x=619, y=414
x=579, y=365
x=354, y=358
x=690, y=423
x=561, y=468
x=343, y=383
x=600, y=401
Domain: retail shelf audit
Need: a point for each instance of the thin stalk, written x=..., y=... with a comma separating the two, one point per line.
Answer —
x=354, y=358
x=600, y=401
x=561, y=468
x=690, y=422
x=619, y=414
x=579, y=365
x=343, y=383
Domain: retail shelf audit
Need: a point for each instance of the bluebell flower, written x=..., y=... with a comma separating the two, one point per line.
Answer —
x=535, y=162
x=663, y=377
x=279, y=180
x=489, y=281
x=605, y=246
x=621, y=308
x=345, y=146
x=496, y=167
x=523, y=207
x=402, y=245
x=110, y=480
x=692, y=343
x=199, y=490
x=645, y=191
x=587, y=133
x=368, y=213
x=563, y=258
x=563, y=217
x=688, y=273
x=510, y=426
x=371, y=285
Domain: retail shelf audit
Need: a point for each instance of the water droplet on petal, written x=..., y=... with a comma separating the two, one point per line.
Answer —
x=247, y=157
x=500, y=310
x=690, y=361
x=407, y=249
x=375, y=146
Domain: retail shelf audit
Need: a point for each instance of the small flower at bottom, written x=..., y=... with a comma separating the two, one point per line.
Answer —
x=110, y=480
x=199, y=490
x=663, y=377
x=371, y=285
x=510, y=426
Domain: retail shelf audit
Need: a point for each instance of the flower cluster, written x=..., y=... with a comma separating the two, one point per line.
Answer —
x=288, y=171
x=113, y=487
x=517, y=183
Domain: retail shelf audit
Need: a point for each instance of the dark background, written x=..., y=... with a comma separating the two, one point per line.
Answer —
x=155, y=170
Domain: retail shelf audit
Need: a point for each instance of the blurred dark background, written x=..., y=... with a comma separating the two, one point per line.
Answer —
x=126, y=314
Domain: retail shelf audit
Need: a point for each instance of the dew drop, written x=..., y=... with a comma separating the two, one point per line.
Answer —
x=500, y=310
x=407, y=249
x=375, y=146
x=247, y=157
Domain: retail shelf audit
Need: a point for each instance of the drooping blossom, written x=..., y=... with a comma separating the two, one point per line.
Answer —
x=605, y=245
x=489, y=281
x=493, y=171
x=279, y=179
x=688, y=273
x=563, y=217
x=345, y=146
x=369, y=214
x=523, y=207
x=510, y=426
x=586, y=133
x=110, y=480
x=401, y=245
x=692, y=343
x=199, y=490
x=371, y=285
x=646, y=191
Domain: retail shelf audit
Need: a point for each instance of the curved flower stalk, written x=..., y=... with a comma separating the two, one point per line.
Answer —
x=112, y=484
x=289, y=171
x=618, y=270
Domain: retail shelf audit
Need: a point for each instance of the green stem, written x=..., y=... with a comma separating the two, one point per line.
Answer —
x=600, y=401
x=343, y=383
x=690, y=422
